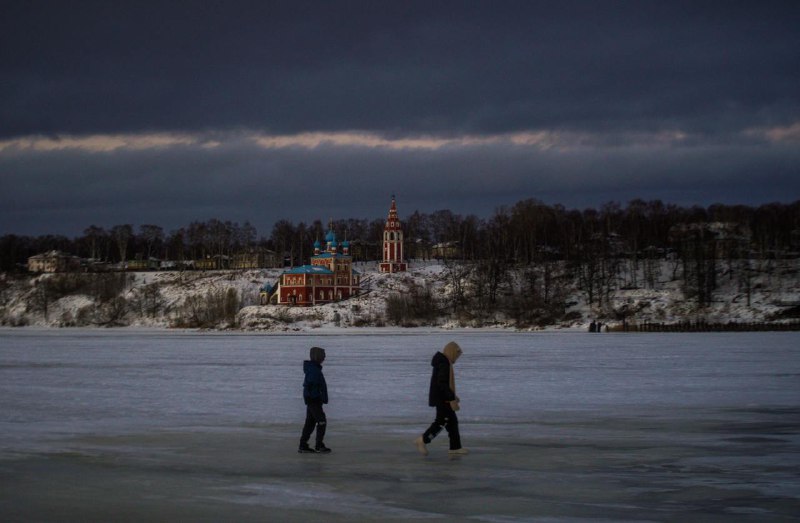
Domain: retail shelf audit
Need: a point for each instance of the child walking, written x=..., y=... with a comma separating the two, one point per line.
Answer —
x=442, y=395
x=315, y=394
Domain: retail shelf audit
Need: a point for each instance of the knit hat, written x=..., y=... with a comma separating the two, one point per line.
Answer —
x=317, y=354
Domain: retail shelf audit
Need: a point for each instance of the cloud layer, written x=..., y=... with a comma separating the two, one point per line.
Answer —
x=172, y=180
x=149, y=112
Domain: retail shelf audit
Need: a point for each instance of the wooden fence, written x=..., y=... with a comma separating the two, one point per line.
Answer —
x=702, y=326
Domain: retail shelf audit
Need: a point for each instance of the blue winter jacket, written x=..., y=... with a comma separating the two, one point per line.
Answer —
x=314, y=387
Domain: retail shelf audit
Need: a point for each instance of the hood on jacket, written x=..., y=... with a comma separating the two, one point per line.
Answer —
x=439, y=359
x=452, y=351
x=317, y=354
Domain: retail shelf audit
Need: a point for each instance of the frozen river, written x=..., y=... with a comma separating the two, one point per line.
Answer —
x=160, y=425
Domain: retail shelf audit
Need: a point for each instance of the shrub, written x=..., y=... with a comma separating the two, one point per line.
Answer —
x=217, y=307
x=113, y=312
x=417, y=306
x=107, y=286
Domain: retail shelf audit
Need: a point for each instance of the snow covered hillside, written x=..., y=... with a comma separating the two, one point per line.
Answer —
x=230, y=299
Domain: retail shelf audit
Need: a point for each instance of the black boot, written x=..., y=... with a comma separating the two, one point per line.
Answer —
x=322, y=449
x=305, y=449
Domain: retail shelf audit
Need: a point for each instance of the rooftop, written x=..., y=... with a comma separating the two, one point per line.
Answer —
x=309, y=269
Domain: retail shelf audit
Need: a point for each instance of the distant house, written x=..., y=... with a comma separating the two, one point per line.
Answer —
x=170, y=265
x=261, y=259
x=446, y=250
x=150, y=264
x=54, y=261
x=94, y=265
x=210, y=263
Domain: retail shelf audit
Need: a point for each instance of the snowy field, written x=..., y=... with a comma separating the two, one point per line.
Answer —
x=138, y=425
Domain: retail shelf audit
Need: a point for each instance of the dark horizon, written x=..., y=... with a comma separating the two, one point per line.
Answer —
x=265, y=233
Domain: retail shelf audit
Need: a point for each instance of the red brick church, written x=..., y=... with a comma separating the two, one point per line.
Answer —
x=393, y=260
x=329, y=278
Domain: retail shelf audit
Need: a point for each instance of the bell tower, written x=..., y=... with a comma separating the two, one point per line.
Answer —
x=393, y=243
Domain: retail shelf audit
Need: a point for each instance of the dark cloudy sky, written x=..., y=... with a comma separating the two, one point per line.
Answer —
x=160, y=112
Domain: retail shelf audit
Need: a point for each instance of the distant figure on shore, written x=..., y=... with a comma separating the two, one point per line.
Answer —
x=315, y=394
x=442, y=395
x=597, y=327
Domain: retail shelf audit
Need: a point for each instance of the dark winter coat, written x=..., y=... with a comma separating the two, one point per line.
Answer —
x=440, y=391
x=314, y=387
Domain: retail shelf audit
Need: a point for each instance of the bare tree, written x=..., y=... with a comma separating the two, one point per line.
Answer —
x=122, y=235
x=282, y=235
x=94, y=236
x=152, y=236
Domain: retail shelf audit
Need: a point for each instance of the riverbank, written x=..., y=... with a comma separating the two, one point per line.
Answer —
x=230, y=300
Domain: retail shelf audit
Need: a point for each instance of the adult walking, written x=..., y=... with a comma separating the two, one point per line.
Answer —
x=442, y=395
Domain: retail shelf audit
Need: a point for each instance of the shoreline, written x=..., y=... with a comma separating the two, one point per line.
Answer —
x=648, y=328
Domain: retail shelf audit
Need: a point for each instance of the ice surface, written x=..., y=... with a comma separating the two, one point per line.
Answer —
x=562, y=426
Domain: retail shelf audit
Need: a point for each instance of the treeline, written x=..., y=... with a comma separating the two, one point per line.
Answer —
x=526, y=261
x=531, y=230
x=125, y=242
x=525, y=233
